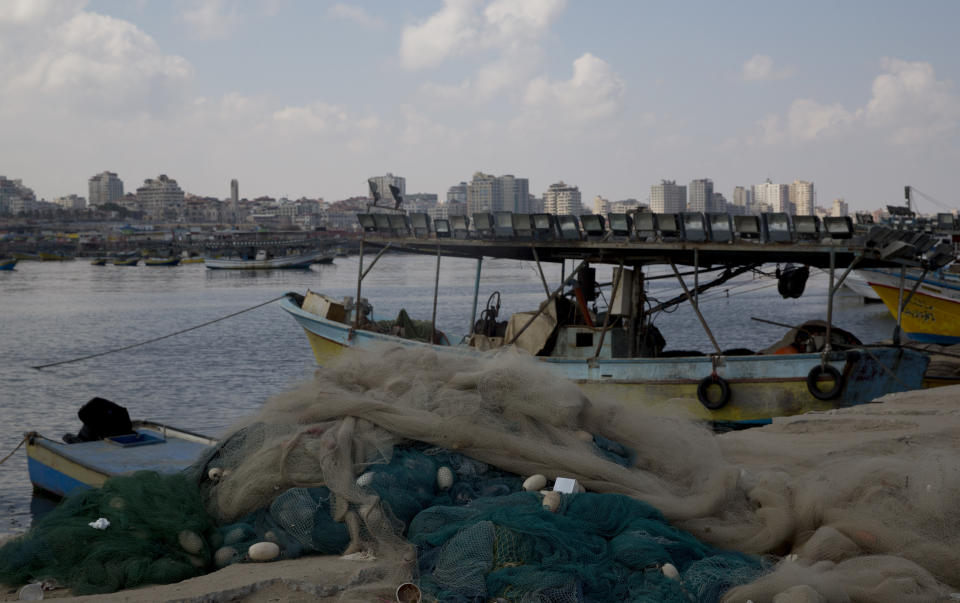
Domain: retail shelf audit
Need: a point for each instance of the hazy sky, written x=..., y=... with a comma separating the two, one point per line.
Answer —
x=310, y=98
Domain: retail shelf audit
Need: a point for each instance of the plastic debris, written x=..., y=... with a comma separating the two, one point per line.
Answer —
x=101, y=524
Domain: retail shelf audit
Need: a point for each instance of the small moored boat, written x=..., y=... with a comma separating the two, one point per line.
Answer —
x=263, y=260
x=108, y=445
x=8, y=263
x=98, y=262
x=171, y=261
x=126, y=261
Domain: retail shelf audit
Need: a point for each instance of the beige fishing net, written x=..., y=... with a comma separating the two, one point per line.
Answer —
x=855, y=505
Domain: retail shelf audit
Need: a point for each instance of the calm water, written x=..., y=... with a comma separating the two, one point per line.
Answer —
x=207, y=378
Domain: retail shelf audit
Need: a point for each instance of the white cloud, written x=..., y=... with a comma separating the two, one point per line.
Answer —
x=595, y=91
x=211, y=19
x=760, y=67
x=92, y=61
x=355, y=14
x=908, y=105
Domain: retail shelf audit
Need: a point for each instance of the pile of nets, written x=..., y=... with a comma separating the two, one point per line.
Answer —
x=418, y=459
x=155, y=533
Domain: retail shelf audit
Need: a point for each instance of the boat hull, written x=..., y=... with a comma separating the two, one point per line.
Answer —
x=57, y=469
x=301, y=262
x=161, y=261
x=761, y=386
x=933, y=314
x=8, y=264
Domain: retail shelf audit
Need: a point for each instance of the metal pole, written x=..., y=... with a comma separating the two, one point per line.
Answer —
x=606, y=319
x=476, y=291
x=436, y=292
x=696, y=275
x=374, y=262
x=896, y=330
x=696, y=308
x=356, y=303
x=543, y=279
x=830, y=292
x=846, y=272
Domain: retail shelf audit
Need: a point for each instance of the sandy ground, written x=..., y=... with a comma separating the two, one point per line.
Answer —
x=918, y=418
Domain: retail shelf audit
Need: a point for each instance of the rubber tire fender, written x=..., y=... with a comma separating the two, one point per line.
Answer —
x=705, y=383
x=814, y=375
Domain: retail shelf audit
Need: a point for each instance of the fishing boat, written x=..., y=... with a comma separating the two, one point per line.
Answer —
x=262, y=259
x=55, y=256
x=57, y=468
x=155, y=261
x=98, y=261
x=126, y=260
x=859, y=285
x=927, y=304
x=186, y=258
x=7, y=263
x=616, y=351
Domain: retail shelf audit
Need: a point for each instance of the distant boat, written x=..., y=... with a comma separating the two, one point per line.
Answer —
x=264, y=261
x=171, y=261
x=324, y=259
x=8, y=263
x=859, y=285
x=19, y=255
x=57, y=468
x=186, y=258
x=98, y=262
x=126, y=261
x=55, y=256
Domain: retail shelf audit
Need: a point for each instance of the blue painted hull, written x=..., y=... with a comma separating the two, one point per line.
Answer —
x=761, y=386
x=58, y=469
x=8, y=264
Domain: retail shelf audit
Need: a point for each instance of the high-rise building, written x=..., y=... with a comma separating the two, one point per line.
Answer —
x=742, y=200
x=775, y=197
x=383, y=187
x=489, y=193
x=601, y=206
x=668, y=197
x=801, y=196
x=71, y=202
x=700, y=195
x=561, y=199
x=235, y=201
x=840, y=208
x=718, y=204
x=457, y=192
x=14, y=196
x=104, y=188
x=161, y=198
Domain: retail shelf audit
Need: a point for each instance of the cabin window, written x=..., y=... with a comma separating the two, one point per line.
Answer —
x=584, y=340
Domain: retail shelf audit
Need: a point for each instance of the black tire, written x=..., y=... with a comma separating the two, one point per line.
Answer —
x=704, y=397
x=813, y=378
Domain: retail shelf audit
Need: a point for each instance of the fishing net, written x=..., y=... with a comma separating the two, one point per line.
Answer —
x=155, y=535
x=418, y=459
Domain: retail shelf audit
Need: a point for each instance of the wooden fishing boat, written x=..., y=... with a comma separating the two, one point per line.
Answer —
x=7, y=263
x=126, y=261
x=616, y=351
x=57, y=468
x=928, y=303
x=263, y=260
x=98, y=261
x=171, y=261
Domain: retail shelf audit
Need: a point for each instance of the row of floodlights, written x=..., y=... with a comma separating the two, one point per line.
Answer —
x=644, y=226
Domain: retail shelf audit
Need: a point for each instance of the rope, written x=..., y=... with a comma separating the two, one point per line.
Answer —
x=26, y=437
x=155, y=339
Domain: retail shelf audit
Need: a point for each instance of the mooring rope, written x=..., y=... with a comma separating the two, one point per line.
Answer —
x=26, y=438
x=155, y=339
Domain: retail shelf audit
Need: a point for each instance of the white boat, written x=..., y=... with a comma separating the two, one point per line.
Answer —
x=264, y=260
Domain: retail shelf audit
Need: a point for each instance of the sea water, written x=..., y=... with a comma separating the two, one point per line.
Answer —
x=206, y=378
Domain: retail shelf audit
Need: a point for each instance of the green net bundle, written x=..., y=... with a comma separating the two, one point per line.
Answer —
x=156, y=535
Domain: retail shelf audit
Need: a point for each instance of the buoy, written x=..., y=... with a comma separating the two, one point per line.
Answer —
x=788, y=349
x=552, y=500
x=365, y=479
x=408, y=593
x=190, y=542
x=225, y=556
x=263, y=551
x=215, y=474
x=31, y=592
x=444, y=478
x=535, y=482
x=670, y=571
x=234, y=536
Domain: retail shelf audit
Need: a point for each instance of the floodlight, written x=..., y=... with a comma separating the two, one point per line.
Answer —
x=420, y=222
x=864, y=219
x=399, y=224
x=669, y=227
x=721, y=227
x=747, y=227
x=523, y=226
x=592, y=224
x=807, y=227
x=941, y=255
x=483, y=224
x=382, y=223
x=503, y=224
x=460, y=225
x=694, y=227
x=442, y=227
x=645, y=226
x=838, y=227
x=897, y=249
x=367, y=223
x=544, y=226
x=620, y=224
x=569, y=227
x=946, y=221
x=777, y=227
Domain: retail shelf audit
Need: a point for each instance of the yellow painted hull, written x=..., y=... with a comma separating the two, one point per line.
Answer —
x=67, y=467
x=929, y=313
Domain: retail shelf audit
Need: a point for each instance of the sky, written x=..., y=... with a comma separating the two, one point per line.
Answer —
x=311, y=98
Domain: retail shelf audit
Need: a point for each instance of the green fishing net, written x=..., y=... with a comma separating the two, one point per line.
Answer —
x=156, y=535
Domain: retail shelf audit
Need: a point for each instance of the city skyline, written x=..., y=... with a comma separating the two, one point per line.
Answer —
x=549, y=90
